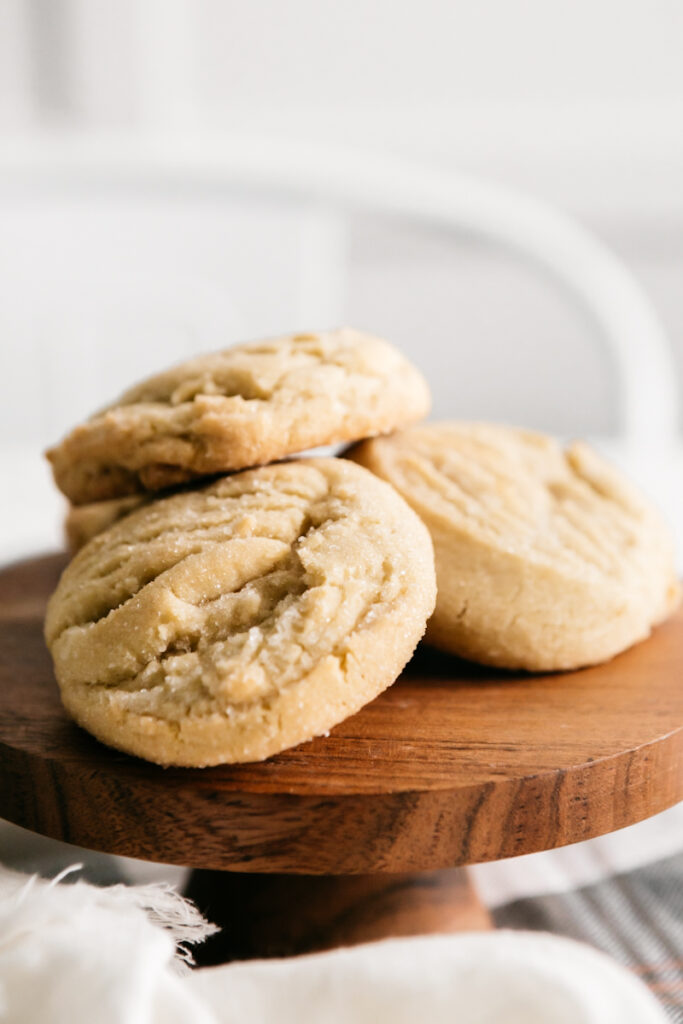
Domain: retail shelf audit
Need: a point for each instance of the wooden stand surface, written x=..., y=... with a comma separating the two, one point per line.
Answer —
x=454, y=764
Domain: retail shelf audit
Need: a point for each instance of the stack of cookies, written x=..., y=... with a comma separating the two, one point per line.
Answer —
x=218, y=613
x=244, y=613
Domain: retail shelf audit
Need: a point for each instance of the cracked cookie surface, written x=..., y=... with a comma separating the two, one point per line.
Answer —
x=230, y=622
x=546, y=558
x=245, y=406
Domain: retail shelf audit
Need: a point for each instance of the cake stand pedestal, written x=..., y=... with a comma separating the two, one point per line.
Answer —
x=353, y=836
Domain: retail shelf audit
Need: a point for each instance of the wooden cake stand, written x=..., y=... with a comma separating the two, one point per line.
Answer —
x=353, y=836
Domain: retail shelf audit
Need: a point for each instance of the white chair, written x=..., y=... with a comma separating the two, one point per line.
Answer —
x=307, y=193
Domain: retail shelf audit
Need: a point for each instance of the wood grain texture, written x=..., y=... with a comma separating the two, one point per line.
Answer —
x=452, y=765
x=288, y=915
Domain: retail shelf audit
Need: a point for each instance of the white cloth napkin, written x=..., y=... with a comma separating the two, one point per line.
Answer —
x=74, y=952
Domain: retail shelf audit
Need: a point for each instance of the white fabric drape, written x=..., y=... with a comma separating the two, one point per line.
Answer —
x=75, y=952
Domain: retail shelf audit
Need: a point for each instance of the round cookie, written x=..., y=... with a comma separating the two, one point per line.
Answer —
x=546, y=558
x=230, y=622
x=245, y=406
x=83, y=522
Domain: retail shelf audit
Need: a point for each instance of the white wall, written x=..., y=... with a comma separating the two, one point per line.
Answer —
x=448, y=78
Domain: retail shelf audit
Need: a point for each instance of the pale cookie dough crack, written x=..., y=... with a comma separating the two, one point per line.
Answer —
x=236, y=382
x=194, y=543
x=200, y=698
x=284, y=583
x=192, y=643
x=154, y=573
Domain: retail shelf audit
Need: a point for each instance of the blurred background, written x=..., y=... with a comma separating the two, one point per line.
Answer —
x=177, y=175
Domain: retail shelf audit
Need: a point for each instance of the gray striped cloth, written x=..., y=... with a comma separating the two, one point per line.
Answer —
x=636, y=917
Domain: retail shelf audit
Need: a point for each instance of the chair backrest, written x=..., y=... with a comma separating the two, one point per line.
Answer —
x=287, y=265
